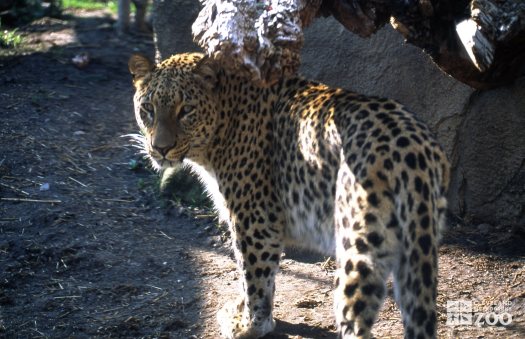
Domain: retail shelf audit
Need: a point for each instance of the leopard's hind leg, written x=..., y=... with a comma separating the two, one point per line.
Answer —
x=415, y=274
x=367, y=244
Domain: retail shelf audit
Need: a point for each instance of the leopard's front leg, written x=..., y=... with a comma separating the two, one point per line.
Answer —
x=258, y=247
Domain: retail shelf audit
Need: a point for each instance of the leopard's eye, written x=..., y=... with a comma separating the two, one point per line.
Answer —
x=146, y=111
x=186, y=109
x=148, y=107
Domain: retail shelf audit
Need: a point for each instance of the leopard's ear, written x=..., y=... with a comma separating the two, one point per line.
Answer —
x=139, y=66
x=206, y=71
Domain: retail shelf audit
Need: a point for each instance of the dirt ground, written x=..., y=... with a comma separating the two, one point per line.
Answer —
x=90, y=249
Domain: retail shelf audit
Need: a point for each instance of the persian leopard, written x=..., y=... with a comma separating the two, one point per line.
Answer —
x=301, y=163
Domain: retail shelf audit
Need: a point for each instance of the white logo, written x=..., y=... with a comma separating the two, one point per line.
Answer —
x=461, y=312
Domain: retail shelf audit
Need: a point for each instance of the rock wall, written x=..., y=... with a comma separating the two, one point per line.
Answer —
x=483, y=132
x=172, y=20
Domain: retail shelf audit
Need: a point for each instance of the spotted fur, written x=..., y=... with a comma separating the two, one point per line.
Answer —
x=302, y=163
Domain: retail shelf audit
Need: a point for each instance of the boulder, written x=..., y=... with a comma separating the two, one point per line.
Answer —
x=483, y=132
x=172, y=22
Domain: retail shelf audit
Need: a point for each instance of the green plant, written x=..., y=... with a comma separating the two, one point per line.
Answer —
x=10, y=39
x=90, y=4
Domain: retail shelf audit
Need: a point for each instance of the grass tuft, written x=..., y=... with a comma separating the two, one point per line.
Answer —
x=182, y=186
x=90, y=4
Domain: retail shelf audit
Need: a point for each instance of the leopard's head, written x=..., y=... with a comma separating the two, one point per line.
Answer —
x=175, y=106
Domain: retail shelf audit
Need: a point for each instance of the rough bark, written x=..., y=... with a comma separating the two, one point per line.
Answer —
x=479, y=42
x=261, y=39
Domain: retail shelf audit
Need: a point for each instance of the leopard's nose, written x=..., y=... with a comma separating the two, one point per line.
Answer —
x=163, y=150
x=162, y=141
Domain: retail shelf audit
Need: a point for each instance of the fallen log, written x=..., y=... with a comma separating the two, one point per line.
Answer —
x=479, y=42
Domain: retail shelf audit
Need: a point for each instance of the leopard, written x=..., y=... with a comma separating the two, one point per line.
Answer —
x=299, y=163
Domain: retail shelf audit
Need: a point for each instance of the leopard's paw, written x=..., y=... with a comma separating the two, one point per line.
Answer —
x=234, y=325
